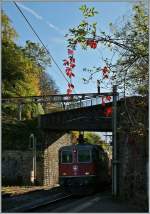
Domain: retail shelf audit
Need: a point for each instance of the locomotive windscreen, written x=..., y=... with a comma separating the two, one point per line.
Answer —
x=84, y=156
x=66, y=156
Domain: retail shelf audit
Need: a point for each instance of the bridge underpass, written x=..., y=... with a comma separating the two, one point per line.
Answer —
x=91, y=118
x=85, y=118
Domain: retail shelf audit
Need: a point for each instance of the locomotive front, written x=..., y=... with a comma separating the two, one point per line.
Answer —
x=79, y=168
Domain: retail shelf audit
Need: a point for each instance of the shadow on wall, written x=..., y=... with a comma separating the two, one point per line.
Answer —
x=50, y=137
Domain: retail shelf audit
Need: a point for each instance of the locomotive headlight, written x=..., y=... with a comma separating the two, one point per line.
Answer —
x=87, y=173
x=64, y=173
x=75, y=167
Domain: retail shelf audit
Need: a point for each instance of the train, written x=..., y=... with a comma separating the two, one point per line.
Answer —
x=83, y=168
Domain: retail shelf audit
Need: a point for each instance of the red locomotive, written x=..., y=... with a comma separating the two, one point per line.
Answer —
x=83, y=168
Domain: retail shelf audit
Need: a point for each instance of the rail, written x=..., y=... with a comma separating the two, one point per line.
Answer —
x=36, y=204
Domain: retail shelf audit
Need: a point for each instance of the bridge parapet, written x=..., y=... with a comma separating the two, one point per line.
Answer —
x=63, y=101
x=91, y=118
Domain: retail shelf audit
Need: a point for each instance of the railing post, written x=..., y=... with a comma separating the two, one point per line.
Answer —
x=20, y=111
x=91, y=101
x=98, y=86
x=114, y=153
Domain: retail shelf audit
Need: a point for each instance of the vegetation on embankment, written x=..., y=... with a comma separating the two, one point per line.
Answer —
x=15, y=134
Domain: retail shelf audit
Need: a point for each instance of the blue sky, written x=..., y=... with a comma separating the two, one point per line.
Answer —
x=51, y=20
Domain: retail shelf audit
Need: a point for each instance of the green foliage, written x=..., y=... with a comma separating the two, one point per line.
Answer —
x=22, y=71
x=37, y=54
x=88, y=12
x=8, y=32
x=92, y=138
x=130, y=40
x=132, y=66
x=48, y=87
x=15, y=134
x=47, y=84
x=84, y=29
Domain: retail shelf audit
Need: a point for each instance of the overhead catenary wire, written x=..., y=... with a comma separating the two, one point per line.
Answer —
x=33, y=30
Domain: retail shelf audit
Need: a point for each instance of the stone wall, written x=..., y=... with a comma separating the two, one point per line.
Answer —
x=133, y=169
x=51, y=170
x=132, y=139
x=17, y=166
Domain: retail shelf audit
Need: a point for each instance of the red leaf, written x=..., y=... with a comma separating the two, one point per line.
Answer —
x=69, y=73
x=108, y=98
x=68, y=69
x=103, y=102
x=108, y=111
x=70, y=85
x=70, y=52
x=92, y=43
x=73, y=75
x=66, y=62
x=88, y=42
x=72, y=60
x=69, y=91
x=105, y=70
x=72, y=65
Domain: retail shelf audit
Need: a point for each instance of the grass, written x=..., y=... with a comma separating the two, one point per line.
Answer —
x=19, y=190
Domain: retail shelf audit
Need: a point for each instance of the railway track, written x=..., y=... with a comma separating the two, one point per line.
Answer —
x=33, y=200
x=46, y=201
x=63, y=202
x=99, y=202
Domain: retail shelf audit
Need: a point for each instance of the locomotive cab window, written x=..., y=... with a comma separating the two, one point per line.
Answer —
x=84, y=156
x=95, y=155
x=66, y=156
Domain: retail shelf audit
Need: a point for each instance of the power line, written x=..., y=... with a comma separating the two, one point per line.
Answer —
x=40, y=41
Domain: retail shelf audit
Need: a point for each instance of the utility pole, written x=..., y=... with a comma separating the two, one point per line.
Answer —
x=33, y=144
x=114, y=154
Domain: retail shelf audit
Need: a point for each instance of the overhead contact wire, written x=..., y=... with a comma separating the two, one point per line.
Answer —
x=40, y=41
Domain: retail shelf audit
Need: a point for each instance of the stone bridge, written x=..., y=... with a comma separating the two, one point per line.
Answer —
x=90, y=118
